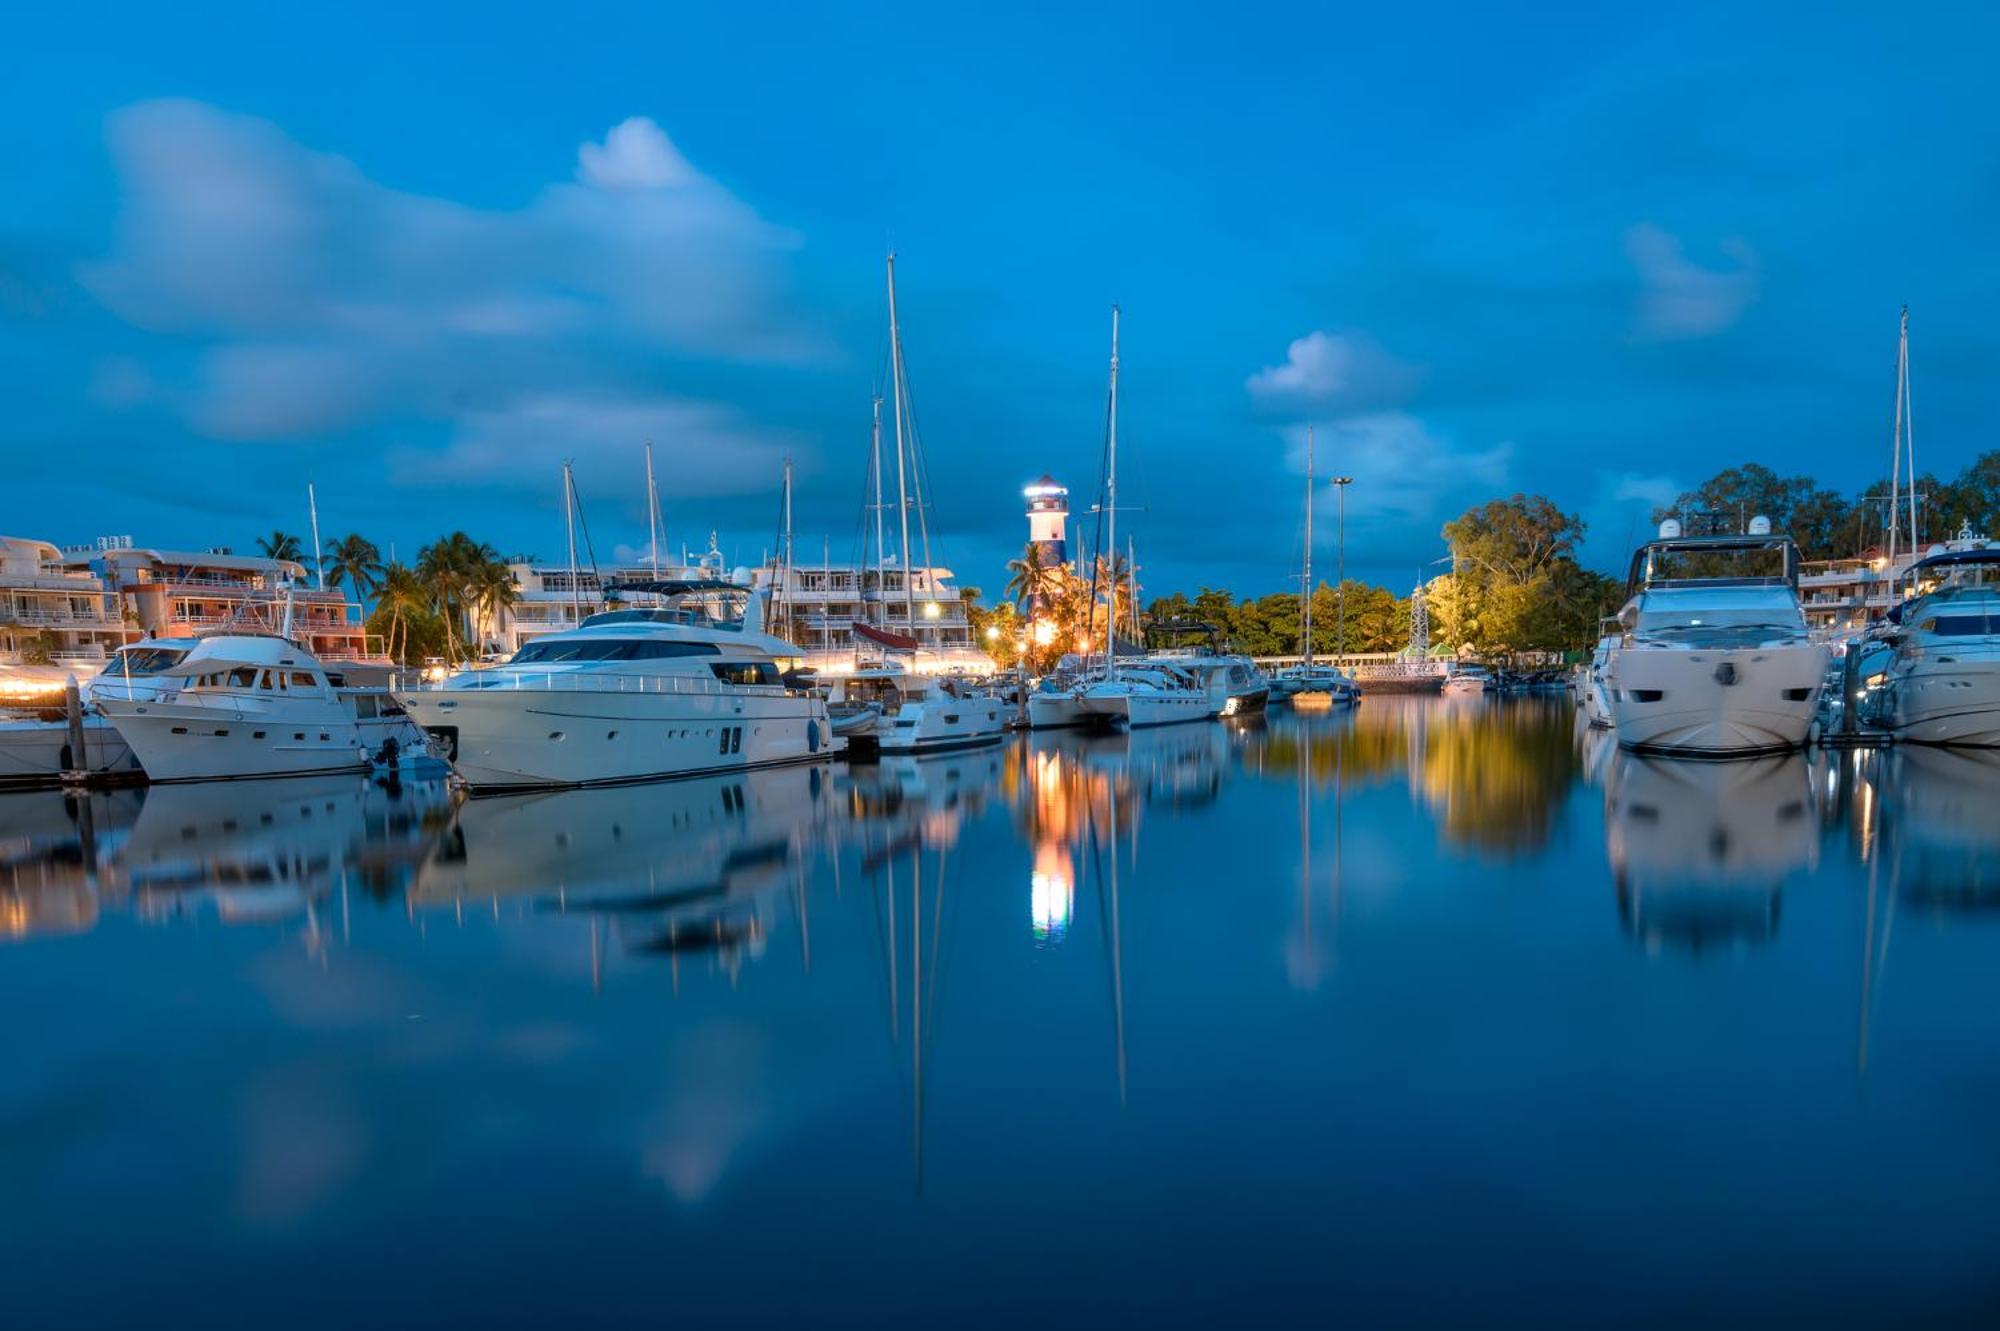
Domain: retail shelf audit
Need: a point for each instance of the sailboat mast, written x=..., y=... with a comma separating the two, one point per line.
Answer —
x=1909, y=423
x=785, y=574
x=569, y=526
x=902, y=484
x=319, y=555
x=1896, y=443
x=1306, y=580
x=1111, y=502
x=881, y=544
x=652, y=512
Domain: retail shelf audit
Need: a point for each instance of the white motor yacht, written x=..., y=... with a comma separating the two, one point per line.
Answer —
x=694, y=685
x=910, y=712
x=1942, y=683
x=1466, y=681
x=1234, y=684
x=254, y=705
x=1715, y=659
x=1153, y=694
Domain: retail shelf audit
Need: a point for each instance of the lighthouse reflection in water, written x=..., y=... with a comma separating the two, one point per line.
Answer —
x=1309, y=1004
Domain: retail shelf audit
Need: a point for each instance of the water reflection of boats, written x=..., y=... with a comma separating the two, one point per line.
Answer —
x=261, y=850
x=674, y=866
x=1700, y=851
x=50, y=847
x=1940, y=834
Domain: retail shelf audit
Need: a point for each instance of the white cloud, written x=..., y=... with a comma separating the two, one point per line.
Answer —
x=320, y=301
x=1332, y=369
x=1681, y=299
x=636, y=154
x=704, y=449
x=1402, y=469
x=1631, y=487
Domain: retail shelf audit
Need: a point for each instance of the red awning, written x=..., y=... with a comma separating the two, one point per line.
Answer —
x=895, y=642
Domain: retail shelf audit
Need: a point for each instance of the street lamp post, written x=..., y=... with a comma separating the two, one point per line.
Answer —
x=1340, y=484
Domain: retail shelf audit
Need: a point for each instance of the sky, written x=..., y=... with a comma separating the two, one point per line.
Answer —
x=419, y=255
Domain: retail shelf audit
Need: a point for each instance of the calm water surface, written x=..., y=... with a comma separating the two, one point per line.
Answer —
x=1437, y=1011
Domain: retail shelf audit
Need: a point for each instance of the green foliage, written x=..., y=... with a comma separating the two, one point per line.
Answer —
x=411, y=633
x=280, y=545
x=1829, y=525
x=38, y=649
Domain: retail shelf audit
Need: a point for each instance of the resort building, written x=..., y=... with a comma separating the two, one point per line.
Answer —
x=52, y=614
x=815, y=605
x=818, y=606
x=178, y=594
x=1841, y=597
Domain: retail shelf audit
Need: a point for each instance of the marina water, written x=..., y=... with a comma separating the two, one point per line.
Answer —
x=1428, y=1010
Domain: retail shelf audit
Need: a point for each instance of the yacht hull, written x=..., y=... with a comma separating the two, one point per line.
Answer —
x=526, y=738
x=1715, y=703
x=1948, y=702
x=1139, y=710
x=192, y=743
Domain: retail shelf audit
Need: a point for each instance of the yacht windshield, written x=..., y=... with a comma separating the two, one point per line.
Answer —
x=1723, y=564
x=145, y=660
x=611, y=649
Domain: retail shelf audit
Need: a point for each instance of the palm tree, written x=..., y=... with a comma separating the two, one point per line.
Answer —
x=401, y=592
x=354, y=559
x=281, y=545
x=1029, y=580
x=493, y=589
x=449, y=569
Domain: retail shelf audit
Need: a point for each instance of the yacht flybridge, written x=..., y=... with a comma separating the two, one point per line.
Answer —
x=693, y=685
x=1715, y=659
x=1943, y=683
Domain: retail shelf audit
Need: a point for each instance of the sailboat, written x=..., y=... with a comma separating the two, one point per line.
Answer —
x=1147, y=693
x=886, y=702
x=1307, y=676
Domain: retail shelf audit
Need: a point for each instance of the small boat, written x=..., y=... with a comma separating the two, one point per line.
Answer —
x=1468, y=681
x=909, y=712
x=1715, y=658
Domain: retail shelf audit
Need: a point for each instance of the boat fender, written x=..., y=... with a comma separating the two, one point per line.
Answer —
x=812, y=737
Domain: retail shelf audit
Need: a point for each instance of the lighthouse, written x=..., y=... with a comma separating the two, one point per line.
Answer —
x=1048, y=521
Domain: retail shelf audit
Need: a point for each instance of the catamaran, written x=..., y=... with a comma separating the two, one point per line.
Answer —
x=1715, y=657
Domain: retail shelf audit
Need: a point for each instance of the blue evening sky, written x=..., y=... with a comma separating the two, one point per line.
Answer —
x=420, y=254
